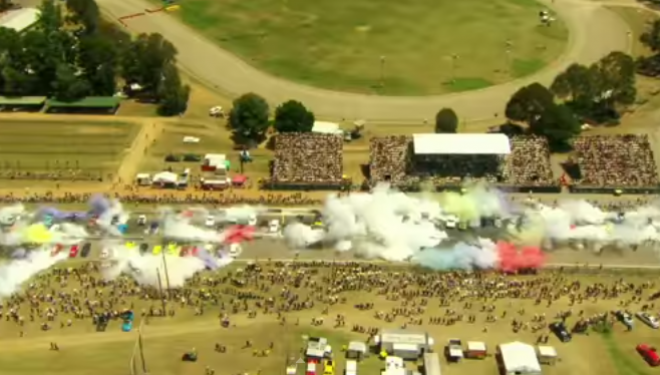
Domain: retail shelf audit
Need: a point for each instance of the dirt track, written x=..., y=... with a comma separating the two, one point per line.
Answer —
x=595, y=31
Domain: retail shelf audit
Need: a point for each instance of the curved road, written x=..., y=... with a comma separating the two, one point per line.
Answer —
x=594, y=32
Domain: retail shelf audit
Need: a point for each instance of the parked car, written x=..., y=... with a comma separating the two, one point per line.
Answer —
x=649, y=354
x=648, y=319
x=311, y=368
x=624, y=317
x=328, y=367
x=559, y=329
x=454, y=350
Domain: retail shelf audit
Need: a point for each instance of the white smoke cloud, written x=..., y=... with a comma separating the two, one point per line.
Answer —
x=16, y=272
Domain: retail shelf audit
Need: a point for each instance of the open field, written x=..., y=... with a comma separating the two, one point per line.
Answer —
x=214, y=138
x=83, y=350
x=88, y=150
x=339, y=45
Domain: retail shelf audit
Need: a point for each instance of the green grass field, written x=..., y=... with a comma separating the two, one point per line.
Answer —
x=52, y=146
x=351, y=45
x=214, y=139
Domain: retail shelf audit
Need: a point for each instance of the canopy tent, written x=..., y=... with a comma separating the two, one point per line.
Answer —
x=22, y=101
x=457, y=144
x=323, y=127
x=239, y=179
x=518, y=358
x=20, y=19
x=165, y=177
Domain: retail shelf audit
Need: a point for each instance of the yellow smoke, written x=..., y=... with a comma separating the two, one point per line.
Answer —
x=460, y=205
x=38, y=234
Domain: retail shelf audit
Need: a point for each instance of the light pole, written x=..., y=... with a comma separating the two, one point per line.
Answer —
x=454, y=58
x=382, y=71
x=508, y=50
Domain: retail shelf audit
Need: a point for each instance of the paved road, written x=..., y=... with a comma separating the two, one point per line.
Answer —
x=595, y=31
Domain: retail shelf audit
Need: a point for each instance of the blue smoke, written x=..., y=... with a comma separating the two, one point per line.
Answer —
x=461, y=256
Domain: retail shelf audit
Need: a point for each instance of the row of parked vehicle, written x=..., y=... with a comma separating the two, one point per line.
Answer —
x=648, y=352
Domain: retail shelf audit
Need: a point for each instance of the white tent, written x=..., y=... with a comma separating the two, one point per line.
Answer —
x=457, y=144
x=165, y=177
x=323, y=127
x=519, y=359
x=20, y=19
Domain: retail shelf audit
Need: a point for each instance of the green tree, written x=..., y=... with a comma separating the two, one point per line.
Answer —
x=651, y=37
x=5, y=5
x=248, y=118
x=172, y=94
x=576, y=84
x=292, y=116
x=650, y=65
x=98, y=59
x=616, y=80
x=50, y=17
x=558, y=124
x=145, y=60
x=446, y=121
x=528, y=103
x=84, y=12
x=68, y=86
x=597, y=92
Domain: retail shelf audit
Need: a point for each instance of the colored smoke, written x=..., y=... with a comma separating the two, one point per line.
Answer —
x=16, y=272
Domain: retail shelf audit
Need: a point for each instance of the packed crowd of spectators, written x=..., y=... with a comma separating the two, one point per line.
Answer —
x=390, y=158
x=68, y=175
x=453, y=169
x=308, y=158
x=616, y=161
x=220, y=199
x=529, y=162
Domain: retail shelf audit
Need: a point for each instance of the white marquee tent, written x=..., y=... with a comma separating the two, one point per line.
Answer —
x=456, y=144
x=20, y=19
x=519, y=359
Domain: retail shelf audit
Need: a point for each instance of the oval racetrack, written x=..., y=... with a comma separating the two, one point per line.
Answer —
x=594, y=32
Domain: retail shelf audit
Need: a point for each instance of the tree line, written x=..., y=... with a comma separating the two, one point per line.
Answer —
x=594, y=93
x=581, y=94
x=72, y=53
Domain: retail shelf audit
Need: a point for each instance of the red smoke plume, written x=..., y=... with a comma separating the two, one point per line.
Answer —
x=514, y=260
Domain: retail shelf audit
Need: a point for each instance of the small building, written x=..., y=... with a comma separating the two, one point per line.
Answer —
x=317, y=349
x=476, y=350
x=547, y=354
x=432, y=364
x=20, y=19
x=322, y=127
x=22, y=103
x=89, y=104
x=407, y=344
x=517, y=358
